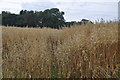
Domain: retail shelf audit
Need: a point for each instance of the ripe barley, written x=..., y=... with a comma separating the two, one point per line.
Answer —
x=81, y=51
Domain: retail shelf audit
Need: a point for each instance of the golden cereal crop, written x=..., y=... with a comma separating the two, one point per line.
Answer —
x=81, y=51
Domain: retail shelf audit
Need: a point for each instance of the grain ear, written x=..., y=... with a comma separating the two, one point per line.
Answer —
x=81, y=51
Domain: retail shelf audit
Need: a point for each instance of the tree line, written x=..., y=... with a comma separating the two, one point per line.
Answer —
x=52, y=18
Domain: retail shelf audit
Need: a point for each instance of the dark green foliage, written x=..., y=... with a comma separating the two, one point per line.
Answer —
x=52, y=18
x=49, y=18
x=83, y=21
x=8, y=19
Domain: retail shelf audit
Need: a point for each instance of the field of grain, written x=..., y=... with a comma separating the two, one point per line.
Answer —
x=86, y=51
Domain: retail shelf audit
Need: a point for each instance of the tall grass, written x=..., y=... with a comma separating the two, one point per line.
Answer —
x=86, y=51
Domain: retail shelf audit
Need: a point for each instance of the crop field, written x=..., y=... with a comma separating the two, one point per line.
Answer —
x=81, y=51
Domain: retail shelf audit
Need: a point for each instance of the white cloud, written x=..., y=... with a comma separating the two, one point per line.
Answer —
x=39, y=6
x=84, y=0
x=74, y=9
x=14, y=6
x=89, y=10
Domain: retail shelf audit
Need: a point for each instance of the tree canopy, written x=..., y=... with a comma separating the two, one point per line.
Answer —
x=48, y=18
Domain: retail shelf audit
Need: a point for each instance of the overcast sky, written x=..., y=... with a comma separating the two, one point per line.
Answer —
x=75, y=10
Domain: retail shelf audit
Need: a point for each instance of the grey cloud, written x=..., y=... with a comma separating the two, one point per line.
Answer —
x=93, y=10
x=78, y=10
x=37, y=6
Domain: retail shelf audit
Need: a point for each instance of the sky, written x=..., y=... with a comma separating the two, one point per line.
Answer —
x=75, y=10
